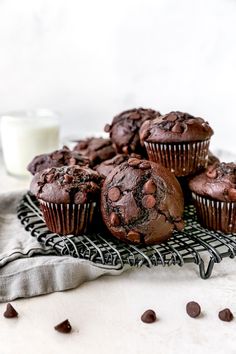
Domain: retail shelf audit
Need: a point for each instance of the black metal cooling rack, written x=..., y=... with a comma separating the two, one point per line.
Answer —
x=186, y=246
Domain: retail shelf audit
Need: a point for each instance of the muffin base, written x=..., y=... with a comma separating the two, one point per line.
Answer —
x=181, y=159
x=216, y=215
x=68, y=219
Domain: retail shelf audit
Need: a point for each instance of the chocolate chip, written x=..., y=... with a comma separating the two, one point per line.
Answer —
x=145, y=165
x=49, y=178
x=171, y=117
x=149, y=187
x=114, y=219
x=107, y=128
x=134, y=236
x=226, y=315
x=232, y=194
x=193, y=309
x=149, y=316
x=125, y=150
x=72, y=161
x=68, y=178
x=133, y=162
x=134, y=116
x=63, y=327
x=114, y=194
x=10, y=312
x=211, y=173
x=177, y=128
x=148, y=201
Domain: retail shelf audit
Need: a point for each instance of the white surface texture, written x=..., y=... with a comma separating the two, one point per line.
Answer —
x=91, y=59
x=105, y=314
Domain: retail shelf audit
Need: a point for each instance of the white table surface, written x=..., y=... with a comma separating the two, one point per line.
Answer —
x=105, y=314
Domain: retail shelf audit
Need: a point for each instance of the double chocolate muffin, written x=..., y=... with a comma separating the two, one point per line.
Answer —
x=68, y=197
x=124, y=130
x=214, y=195
x=178, y=141
x=142, y=202
x=96, y=150
x=58, y=158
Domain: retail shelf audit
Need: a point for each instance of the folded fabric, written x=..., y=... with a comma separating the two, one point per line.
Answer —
x=28, y=268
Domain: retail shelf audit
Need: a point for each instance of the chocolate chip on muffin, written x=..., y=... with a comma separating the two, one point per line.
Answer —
x=142, y=202
x=178, y=141
x=58, y=158
x=124, y=130
x=107, y=166
x=96, y=150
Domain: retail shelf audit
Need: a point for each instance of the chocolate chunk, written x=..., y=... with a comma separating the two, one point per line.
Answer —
x=114, y=194
x=134, y=236
x=10, y=312
x=145, y=165
x=135, y=116
x=68, y=178
x=193, y=309
x=149, y=187
x=114, y=219
x=226, y=315
x=63, y=327
x=133, y=162
x=149, y=316
x=148, y=201
x=211, y=173
x=49, y=177
x=177, y=128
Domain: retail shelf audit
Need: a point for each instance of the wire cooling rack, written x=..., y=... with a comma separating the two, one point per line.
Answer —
x=186, y=246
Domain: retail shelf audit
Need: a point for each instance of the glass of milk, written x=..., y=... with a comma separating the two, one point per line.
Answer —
x=25, y=134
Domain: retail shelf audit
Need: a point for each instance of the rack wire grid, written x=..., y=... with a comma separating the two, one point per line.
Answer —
x=186, y=246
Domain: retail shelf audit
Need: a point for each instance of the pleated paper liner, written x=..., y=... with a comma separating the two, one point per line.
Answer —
x=65, y=219
x=180, y=158
x=216, y=215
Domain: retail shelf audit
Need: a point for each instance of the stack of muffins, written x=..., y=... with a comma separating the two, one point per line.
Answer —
x=135, y=179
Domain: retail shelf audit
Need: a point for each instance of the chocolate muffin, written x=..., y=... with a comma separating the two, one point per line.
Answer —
x=69, y=197
x=124, y=130
x=178, y=141
x=214, y=195
x=142, y=202
x=107, y=166
x=96, y=149
x=58, y=158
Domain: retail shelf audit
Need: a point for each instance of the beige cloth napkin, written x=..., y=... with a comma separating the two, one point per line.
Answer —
x=28, y=268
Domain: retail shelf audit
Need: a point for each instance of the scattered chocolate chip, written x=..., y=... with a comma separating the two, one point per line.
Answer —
x=193, y=309
x=149, y=316
x=114, y=194
x=134, y=236
x=226, y=315
x=133, y=162
x=114, y=219
x=63, y=327
x=145, y=165
x=10, y=312
x=107, y=128
x=68, y=178
x=148, y=201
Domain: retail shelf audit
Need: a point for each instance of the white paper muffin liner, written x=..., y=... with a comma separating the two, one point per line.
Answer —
x=216, y=215
x=68, y=219
x=180, y=158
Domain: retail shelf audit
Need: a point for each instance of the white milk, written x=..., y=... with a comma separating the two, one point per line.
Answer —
x=27, y=134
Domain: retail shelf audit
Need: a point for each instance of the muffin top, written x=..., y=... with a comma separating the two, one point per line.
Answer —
x=64, y=185
x=175, y=127
x=107, y=166
x=58, y=158
x=218, y=182
x=142, y=202
x=124, y=129
x=96, y=149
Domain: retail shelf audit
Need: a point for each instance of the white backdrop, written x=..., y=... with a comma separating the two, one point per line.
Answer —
x=90, y=59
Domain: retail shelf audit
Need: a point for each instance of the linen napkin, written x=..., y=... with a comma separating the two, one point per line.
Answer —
x=28, y=268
